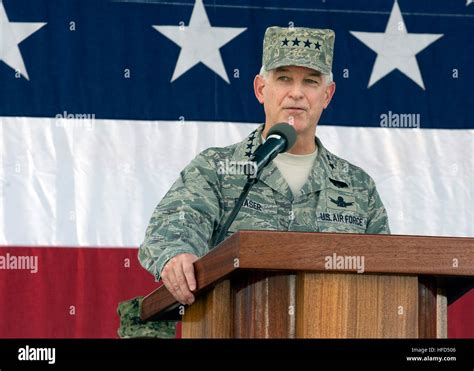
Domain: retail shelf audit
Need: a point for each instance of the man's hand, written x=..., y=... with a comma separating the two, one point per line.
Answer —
x=178, y=277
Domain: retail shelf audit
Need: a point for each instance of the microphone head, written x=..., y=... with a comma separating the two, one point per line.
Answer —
x=286, y=131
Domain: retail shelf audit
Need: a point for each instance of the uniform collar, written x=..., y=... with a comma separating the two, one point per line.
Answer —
x=327, y=171
x=326, y=167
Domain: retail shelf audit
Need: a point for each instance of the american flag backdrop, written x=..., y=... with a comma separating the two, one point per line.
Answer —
x=102, y=103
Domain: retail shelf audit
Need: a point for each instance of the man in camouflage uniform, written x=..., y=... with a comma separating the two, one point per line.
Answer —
x=307, y=189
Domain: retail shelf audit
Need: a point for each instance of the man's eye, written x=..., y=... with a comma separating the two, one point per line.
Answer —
x=312, y=82
x=283, y=78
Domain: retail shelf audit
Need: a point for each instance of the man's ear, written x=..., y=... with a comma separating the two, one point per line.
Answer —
x=330, y=90
x=258, y=85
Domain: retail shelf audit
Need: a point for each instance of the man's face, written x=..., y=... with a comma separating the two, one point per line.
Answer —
x=296, y=95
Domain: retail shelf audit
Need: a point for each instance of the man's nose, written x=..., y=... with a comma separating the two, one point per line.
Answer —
x=296, y=91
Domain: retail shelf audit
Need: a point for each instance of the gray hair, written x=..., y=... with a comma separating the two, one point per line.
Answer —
x=328, y=79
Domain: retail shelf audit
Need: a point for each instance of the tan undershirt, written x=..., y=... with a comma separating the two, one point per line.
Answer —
x=295, y=168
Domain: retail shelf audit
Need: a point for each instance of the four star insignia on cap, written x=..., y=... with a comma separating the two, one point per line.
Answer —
x=296, y=43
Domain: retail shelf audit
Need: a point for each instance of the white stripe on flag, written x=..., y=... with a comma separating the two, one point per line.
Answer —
x=96, y=183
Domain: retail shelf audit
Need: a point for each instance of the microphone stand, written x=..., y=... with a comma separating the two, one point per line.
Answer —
x=230, y=219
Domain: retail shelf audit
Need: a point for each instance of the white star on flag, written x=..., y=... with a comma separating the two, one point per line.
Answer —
x=199, y=42
x=11, y=35
x=469, y=2
x=396, y=48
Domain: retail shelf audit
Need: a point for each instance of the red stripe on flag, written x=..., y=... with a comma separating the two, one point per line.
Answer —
x=74, y=294
x=461, y=317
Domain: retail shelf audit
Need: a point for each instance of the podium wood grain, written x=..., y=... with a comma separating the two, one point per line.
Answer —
x=356, y=306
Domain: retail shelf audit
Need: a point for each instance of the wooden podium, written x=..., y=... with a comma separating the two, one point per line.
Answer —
x=262, y=284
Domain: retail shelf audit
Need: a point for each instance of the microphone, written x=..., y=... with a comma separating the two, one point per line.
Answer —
x=281, y=137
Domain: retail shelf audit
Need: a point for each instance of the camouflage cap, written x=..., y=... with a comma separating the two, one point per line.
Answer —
x=297, y=46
